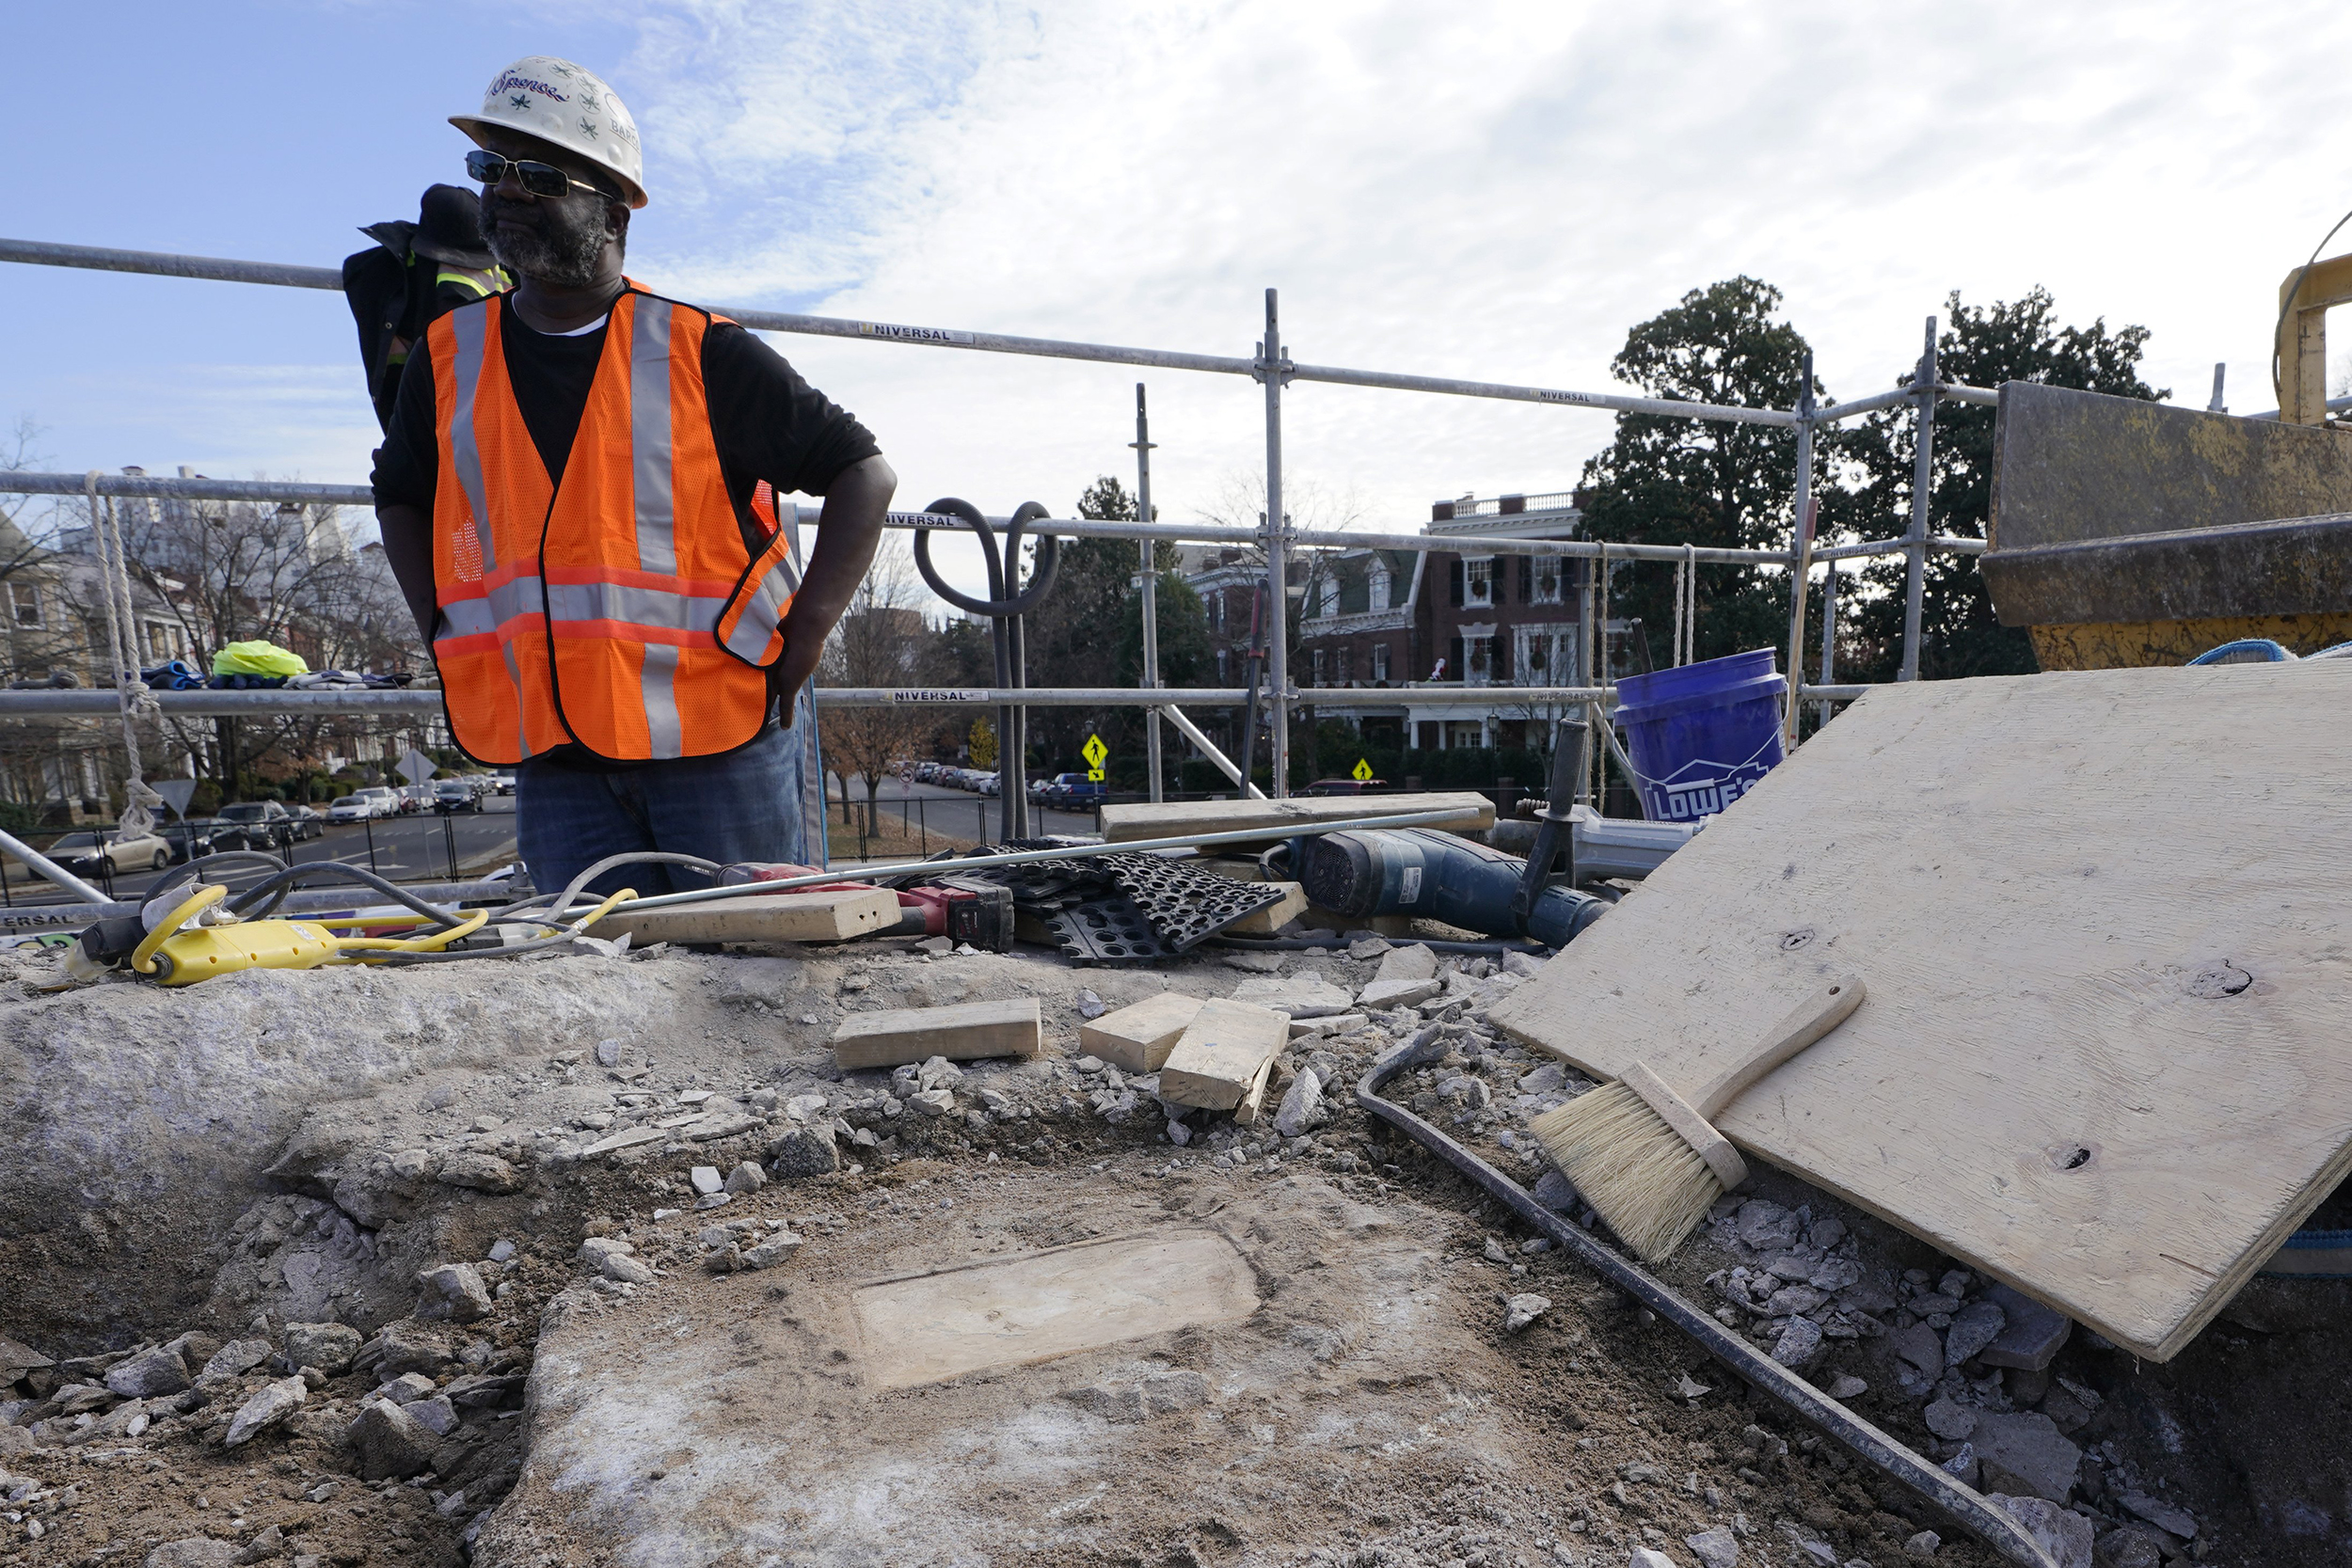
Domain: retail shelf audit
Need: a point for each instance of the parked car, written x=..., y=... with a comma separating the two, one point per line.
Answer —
x=455, y=795
x=1344, y=787
x=1071, y=791
x=87, y=854
x=412, y=798
x=264, y=825
x=351, y=807
x=308, y=822
x=505, y=784
x=992, y=785
x=189, y=841
x=382, y=800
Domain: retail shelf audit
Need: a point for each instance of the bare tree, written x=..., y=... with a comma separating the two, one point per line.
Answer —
x=881, y=641
x=207, y=574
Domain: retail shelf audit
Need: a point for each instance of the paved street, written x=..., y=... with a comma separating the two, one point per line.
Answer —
x=404, y=848
x=939, y=812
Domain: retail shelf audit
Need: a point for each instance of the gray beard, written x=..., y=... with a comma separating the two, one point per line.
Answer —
x=566, y=251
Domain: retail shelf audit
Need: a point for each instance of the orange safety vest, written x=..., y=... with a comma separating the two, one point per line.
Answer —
x=620, y=610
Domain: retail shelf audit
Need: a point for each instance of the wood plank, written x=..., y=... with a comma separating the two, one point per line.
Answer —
x=1138, y=1039
x=960, y=1033
x=1121, y=824
x=1223, y=1055
x=1265, y=922
x=829, y=916
x=2050, y=884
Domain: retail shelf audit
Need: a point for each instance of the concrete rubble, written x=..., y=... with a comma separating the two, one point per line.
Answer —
x=546, y=1263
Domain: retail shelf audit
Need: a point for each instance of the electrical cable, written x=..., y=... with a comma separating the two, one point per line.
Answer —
x=571, y=893
x=2286, y=305
x=516, y=950
x=143, y=956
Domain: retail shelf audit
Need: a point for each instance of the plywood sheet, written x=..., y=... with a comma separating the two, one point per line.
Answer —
x=2103, y=919
x=1013, y=1311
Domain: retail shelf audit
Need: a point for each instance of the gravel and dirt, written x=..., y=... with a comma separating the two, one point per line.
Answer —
x=392, y=1232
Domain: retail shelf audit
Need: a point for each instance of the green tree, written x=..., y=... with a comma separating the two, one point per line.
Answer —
x=1069, y=634
x=1979, y=346
x=1666, y=481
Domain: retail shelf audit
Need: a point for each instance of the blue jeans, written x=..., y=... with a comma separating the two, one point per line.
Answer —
x=755, y=803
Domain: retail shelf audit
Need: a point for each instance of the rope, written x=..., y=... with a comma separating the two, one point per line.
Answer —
x=1686, y=604
x=134, y=700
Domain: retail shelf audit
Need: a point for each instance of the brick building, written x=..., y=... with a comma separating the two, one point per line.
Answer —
x=1380, y=625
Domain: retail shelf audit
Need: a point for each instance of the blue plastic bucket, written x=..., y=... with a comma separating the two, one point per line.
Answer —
x=1702, y=735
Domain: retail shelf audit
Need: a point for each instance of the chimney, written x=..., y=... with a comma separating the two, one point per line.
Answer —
x=1441, y=512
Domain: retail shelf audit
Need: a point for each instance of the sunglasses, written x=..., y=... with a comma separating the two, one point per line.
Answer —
x=535, y=177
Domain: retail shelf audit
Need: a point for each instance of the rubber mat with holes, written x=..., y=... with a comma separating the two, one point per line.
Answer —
x=1185, y=906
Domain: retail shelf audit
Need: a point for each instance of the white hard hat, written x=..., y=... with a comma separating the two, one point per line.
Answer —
x=558, y=101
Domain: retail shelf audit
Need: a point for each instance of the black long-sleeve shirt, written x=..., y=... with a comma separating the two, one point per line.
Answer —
x=769, y=423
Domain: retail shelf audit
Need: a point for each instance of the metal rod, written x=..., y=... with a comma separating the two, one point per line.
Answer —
x=2220, y=370
x=1025, y=857
x=1273, y=368
x=44, y=253
x=349, y=897
x=1801, y=550
x=1149, y=552
x=1922, y=489
x=1208, y=748
x=40, y=863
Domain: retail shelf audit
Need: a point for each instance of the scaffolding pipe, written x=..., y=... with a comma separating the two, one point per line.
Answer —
x=1148, y=551
x=1208, y=749
x=1922, y=495
x=45, y=253
x=52, y=870
x=1273, y=368
x=1800, y=549
x=426, y=700
x=157, y=487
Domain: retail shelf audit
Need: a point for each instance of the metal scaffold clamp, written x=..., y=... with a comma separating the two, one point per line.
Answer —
x=1006, y=604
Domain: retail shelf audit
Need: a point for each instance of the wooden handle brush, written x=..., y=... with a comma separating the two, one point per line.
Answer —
x=1650, y=1162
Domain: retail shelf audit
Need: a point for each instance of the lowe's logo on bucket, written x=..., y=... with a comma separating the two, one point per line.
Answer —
x=1698, y=789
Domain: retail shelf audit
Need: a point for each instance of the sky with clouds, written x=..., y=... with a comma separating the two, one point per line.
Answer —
x=1456, y=187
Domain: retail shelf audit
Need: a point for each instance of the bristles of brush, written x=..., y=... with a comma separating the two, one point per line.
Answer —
x=1651, y=1187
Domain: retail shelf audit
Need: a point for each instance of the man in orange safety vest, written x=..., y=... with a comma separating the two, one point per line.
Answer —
x=579, y=494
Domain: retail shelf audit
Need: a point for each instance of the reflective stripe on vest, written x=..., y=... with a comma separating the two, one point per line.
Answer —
x=619, y=608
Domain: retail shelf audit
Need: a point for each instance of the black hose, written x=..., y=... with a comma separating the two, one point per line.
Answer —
x=1962, y=1505
x=277, y=886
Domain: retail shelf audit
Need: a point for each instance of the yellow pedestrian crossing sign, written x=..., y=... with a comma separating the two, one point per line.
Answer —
x=1094, y=751
x=1364, y=770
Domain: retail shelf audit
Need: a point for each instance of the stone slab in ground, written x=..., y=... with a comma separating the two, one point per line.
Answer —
x=747, y=1417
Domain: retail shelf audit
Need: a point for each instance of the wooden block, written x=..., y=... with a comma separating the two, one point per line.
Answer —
x=1138, y=1039
x=1223, y=1055
x=835, y=915
x=1253, y=1104
x=1470, y=813
x=1232, y=870
x=960, y=1032
x=1265, y=922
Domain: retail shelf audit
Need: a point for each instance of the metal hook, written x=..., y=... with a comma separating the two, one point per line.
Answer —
x=1006, y=604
